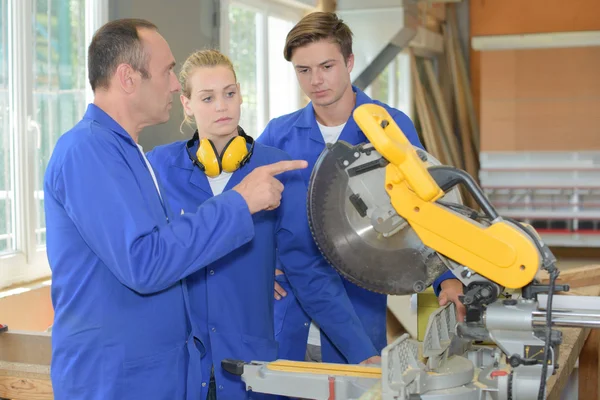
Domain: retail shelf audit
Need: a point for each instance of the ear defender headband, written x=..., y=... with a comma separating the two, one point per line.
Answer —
x=234, y=156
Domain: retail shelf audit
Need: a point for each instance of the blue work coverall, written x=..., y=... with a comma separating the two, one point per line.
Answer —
x=299, y=135
x=122, y=326
x=232, y=298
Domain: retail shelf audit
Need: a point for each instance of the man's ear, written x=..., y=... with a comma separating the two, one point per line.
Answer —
x=127, y=78
x=350, y=63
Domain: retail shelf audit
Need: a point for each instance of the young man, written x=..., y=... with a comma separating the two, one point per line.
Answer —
x=320, y=49
x=118, y=256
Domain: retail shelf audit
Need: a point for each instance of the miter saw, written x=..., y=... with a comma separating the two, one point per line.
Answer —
x=390, y=218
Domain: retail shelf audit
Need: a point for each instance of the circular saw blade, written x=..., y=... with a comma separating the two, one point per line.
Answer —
x=398, y=264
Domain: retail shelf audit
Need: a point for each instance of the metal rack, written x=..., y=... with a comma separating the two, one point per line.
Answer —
x=558, y=193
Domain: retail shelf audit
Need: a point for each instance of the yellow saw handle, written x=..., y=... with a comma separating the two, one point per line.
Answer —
x=501, y=252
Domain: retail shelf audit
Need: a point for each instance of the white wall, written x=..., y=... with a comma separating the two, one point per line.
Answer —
x=187, y=25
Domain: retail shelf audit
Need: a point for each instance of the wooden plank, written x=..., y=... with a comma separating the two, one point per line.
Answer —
x=573, y=343
x=395, y=329
x=426, y=126
x=26, y=347
x=442, y=108
x=464, y=75
x=589, y=360
x=437, y=11
x=467, y=149
x=437, y=130
x=579, y=277
x=25, y=381
x=573, y=340
x=327, y=5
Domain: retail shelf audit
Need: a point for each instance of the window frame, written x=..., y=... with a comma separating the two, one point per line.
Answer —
x=29, y=261
x=288, y=9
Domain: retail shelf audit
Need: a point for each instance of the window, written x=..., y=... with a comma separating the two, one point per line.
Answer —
x=253, y=35
x=393, y=85
x=7, y=242
x=43, y=93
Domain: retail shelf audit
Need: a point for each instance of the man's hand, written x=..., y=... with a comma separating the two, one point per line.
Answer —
x=260, y=188
x=279, y=291
x=451, y=289
x=372, y=360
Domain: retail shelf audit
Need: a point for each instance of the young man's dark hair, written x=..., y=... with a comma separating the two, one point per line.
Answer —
x=317, y=26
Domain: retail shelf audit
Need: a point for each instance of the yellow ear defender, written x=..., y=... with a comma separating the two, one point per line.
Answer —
x=234, y=155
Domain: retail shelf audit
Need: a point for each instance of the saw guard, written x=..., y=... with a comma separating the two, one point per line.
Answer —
x=397, y=265
x=501, y=252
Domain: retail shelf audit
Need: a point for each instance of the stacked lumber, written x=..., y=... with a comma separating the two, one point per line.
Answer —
x=448, y=124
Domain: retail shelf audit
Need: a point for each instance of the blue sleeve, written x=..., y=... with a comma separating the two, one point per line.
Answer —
x=103, y=199
x=438, y=282
x=318, y=287
x=407, y=127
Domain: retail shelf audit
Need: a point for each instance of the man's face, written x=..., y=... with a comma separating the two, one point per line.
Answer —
x=322, y=72
x=155, y=95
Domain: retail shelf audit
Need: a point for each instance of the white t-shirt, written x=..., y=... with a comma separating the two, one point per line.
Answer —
x=331, y=134
x=151, y=170
x=218, y=183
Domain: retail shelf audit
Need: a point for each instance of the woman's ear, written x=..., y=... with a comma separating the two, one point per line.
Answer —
x=185, y=102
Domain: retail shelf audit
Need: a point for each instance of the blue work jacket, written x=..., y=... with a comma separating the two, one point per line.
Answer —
x=122, y=326
x=232, y=299
x=299, y=135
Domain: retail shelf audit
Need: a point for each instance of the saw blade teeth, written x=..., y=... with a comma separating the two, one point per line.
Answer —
x=396, y=265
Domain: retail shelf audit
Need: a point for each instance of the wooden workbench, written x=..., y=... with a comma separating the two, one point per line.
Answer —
x=25, y=356
x=582, y=344
x=25, y=366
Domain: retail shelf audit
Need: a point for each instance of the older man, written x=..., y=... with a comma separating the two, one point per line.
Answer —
x=122, y=314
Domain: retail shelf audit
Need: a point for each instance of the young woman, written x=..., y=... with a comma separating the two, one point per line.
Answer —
x=231, y=300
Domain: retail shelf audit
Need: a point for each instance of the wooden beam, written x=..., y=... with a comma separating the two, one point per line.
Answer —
x=464, y=77
x=427, y=131
x=25, y=365
x=572, y=345
x=20, y=381
x=589, y=375
x=578, y=277
x=26, y=347
x=437, y=11
x=468, y=153
x=573, y=340
x=327, y=5
x=395, y=329
x=445, y=121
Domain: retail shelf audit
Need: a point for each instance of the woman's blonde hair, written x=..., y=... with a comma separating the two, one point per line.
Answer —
x=199, y=59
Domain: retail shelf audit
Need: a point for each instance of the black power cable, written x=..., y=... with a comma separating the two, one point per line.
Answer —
x=553, y=275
